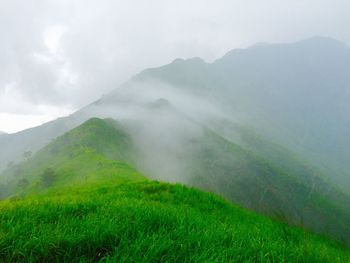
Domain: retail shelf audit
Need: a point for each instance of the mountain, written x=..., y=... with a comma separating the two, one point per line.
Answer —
x=296, y=94
x=83, y=200
x=302, y=88
x=265, y=127
x=88, y=145
x=197, y=156
x=15, y=146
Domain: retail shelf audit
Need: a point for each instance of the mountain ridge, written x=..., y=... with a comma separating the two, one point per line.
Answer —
x=76, y=115
x=208, y=161
x=96, y=208
x=308, y=125
x=295, y=93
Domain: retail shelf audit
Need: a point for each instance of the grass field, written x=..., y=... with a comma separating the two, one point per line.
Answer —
x=145, y=221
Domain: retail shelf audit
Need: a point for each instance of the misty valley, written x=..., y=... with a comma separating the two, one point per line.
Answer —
x=243, y=159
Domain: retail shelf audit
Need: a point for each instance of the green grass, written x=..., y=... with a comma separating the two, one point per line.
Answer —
x=149, y=222
x=269, y=184
x=94, y=151
x=99, y=208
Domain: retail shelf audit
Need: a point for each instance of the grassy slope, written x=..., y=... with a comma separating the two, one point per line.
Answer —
x=81, y=155
x=149, y=221
x=98, y=208
x=266, y=185
x=256, y=174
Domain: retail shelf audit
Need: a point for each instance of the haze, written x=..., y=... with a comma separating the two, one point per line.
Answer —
x=57, y=56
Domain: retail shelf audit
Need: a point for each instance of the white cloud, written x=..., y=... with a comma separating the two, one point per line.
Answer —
x=67, y=53
x=52, y=38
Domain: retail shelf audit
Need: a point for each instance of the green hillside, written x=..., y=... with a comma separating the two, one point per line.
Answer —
x=237, y=162
x=80, y=205
x=257, y=183
x=96, y=150
x=149, y=222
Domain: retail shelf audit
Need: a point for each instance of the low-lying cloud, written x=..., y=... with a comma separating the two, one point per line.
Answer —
x=65, y=54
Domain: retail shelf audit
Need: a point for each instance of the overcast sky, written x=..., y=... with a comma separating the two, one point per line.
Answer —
x=59, y=55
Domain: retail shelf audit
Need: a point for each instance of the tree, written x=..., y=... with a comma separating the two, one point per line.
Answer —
x=48, y=177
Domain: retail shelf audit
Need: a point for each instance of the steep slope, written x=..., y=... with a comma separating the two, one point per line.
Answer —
x=97, y=208
x=78, y=156
x=259, y=184
x=296, y=94
x=255, y=173
x=302, y=88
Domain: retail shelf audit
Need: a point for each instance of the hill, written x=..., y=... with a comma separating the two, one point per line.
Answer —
x=276, y=185
x=254, y=173
x=78, y=156
x=14, y=146
x=97, y=207
x=265, y=127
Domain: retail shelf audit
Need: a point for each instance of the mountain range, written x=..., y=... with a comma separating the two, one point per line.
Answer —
x=294, y=94
x=264, y=127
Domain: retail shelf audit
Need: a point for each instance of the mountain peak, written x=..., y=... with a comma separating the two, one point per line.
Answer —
x=322, y=41
x=315, y=44
x=101, y=135
x=318, y=38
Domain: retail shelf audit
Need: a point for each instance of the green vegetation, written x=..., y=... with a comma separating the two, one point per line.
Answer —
x=149, y=221
x=82, y=155
x=265, y=182
x=78, y=200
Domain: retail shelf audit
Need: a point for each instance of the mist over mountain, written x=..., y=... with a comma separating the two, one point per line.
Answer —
x=302, y=89
x=295, y=94
x=266, y=127
x=175, y=131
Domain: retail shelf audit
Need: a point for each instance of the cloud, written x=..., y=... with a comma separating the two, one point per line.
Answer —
x=68, y=53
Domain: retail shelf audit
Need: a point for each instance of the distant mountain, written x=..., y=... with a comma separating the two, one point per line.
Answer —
x=78, y=198
x=297, y=94
x=14, y=146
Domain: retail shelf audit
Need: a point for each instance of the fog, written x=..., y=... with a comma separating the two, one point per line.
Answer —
x=58, y=56
x=166, y=125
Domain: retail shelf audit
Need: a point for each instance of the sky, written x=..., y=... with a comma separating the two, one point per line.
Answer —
x=58, y=55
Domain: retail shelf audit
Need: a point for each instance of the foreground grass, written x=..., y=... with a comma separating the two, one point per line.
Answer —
x=149, y=222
